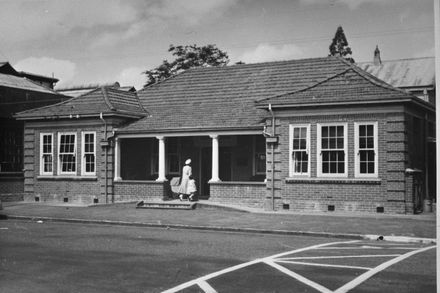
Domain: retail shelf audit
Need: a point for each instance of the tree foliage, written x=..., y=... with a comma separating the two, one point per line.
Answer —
x=339, y=46
x=187, y=57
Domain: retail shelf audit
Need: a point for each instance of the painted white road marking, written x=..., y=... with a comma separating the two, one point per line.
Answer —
x=322, y=265
x=339, y=256
x=246, y=264
x=300, y=278
x=206, y=287
x=362, y=278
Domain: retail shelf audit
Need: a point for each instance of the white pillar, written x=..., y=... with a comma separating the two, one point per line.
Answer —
x=215, y=160
x=161, y=159
x=117, y=159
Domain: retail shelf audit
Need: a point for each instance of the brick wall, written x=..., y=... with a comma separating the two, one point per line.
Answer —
x=11, y=189
x=128, y=190
x=249, y=194
x=73, y=188
x=386, y=192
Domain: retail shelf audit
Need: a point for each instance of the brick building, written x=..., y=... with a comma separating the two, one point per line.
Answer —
x=18, y=91
x=315, y=134
x=70, y=153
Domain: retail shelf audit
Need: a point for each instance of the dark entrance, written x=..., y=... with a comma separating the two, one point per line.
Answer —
x=205, y=171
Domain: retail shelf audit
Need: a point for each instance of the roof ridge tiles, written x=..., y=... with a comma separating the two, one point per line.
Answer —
x=106, y=98
x=306, y=87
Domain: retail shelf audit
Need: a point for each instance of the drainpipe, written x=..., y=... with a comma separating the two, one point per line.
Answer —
x=273, y=159
x=105, y=155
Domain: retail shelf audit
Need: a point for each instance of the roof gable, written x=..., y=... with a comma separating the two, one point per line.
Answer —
x=106, y=100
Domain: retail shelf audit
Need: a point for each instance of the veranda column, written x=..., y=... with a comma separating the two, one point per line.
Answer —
x=161, y=159
x=117, y=159
x=215, y=164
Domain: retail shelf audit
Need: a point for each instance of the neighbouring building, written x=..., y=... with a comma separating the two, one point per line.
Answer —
x=19, y=91
x=315, y=134
x=414, y=75
x=76, y=91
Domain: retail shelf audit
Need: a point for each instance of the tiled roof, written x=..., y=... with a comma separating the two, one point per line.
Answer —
x=224, y=97
x=351, y=85
x=106, y=100
x=7, y=80
x=404, y=73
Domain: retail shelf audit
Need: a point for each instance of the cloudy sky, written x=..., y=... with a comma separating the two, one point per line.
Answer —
x=97, y=41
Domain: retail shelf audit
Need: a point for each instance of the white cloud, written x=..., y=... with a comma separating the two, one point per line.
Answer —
x=352, y=4
x=190, y=11
x=267, y=52
x=159, y=15
x=132, y=76
x=27, y=20
x=64, y=70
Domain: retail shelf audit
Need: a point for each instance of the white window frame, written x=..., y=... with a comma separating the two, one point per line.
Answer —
x=357, y=150
x=83, y=153
x=319, y=150
x=292, y=172
x=60, y=172
x=42, y=163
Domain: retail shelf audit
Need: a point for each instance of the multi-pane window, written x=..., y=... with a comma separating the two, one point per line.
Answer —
x=46, y=153
x=332, y=149
x=89, y=153
x=260, y=155
x=299, y=150
x=366, y=149
x=67, y=153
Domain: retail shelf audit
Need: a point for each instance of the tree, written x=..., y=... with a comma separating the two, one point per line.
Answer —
x=339, y=46
x=187, y=57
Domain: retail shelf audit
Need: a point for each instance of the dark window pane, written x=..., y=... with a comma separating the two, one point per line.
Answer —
x=332, y=131
x=325, y=167
x=324, y=143
x=341, y=167
x=332, y=167
x=324, y=131
x=303, y=144
x=340, y=144
x=363, y=168
x=370, y=130
x=370, y=142
x=371, y=167
x=362, y=130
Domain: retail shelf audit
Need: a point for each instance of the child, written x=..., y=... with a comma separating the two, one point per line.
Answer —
x=192, y=189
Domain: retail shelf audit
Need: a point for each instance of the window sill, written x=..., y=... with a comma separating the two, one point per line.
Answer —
x=371, y=181
x=67, y=178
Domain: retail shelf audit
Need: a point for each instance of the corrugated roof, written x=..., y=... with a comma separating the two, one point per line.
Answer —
x=404, y=73
x=22, y=83
x=106, y=100
x=224, y=97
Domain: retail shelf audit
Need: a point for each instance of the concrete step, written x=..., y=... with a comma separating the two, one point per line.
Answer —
x=167, y=205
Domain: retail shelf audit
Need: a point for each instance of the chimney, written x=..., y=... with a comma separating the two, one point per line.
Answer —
x=376, y=59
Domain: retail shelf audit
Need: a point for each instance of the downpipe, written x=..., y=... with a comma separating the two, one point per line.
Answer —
x=105, y=157
x=273, y=159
